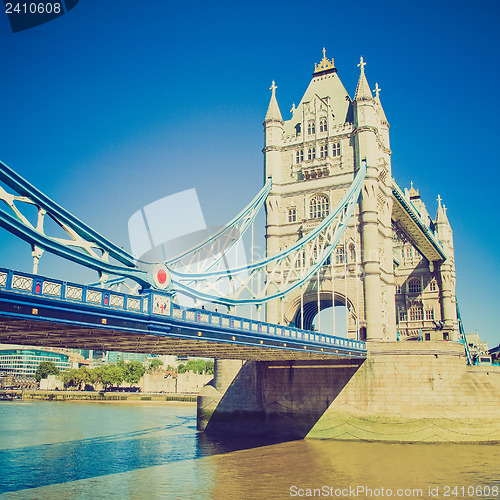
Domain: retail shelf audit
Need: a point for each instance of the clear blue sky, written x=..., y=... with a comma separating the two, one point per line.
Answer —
x=119, y=103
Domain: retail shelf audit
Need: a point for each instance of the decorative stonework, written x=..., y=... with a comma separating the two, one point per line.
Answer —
x=324, y=65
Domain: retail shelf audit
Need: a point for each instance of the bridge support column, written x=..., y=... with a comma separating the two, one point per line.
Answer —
x=225, y=370
x=371, y=260
x=449, y=314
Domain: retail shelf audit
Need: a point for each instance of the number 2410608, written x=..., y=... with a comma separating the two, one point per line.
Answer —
x=33, y=8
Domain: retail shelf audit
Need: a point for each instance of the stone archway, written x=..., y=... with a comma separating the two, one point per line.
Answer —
x=310, y=308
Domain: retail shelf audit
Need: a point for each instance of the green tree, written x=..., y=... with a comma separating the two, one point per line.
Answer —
x=133, y=371
x=109, y=375
x=78, y=378
x=71, y=378
x=46, y=368
x=155, y=364
x=197, y=366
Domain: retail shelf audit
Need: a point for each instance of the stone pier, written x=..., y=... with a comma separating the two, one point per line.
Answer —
x=403, y=392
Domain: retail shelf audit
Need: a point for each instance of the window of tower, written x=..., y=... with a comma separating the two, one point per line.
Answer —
x=311, y=127
x=311, y=153
x=352, y=253
x=323, y=151
x=415, y=286
x=336, y=149
x=318, y=207
x=416, y=312
x=340, y=255
x=299, y=156
x=292, y=215
x=323, y=127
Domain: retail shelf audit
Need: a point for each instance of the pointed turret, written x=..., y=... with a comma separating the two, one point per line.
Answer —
x=273, y=111
x=273, y=127
x=441, y=217
x=443, y=227
x=447, y=271
x=363, y=91
x=380, y=110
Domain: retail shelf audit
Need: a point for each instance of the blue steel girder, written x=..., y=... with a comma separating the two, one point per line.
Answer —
x=281, y=273
x=35, y=310
x=420, y=235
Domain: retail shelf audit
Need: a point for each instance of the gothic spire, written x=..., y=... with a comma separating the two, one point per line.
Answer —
x=363, y=91
x=441, y=216
x=273, y=111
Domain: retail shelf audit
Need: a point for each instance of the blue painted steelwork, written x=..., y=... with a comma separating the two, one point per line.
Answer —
x=216, y=245
x=324, y=237
x=413, y=213
x=37, y=298
x=463, y=338
x=83, y=252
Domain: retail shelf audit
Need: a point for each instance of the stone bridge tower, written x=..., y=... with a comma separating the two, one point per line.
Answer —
x=312, y=159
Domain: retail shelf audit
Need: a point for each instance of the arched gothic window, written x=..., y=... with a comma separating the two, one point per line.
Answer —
x=352, y=253
x=319, y=207
x=311, y=127
x=323, y=127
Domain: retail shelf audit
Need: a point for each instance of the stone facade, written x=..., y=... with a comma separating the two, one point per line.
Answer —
x=312, y=159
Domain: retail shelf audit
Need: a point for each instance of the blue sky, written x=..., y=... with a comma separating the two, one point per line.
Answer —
x=119, y=103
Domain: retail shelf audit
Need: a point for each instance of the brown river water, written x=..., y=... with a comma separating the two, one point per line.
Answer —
x=132, y=451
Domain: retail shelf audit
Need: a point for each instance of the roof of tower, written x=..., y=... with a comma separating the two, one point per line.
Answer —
x=273, y=111
x=441, y=216
x=330, y=94
x=363, y=89
x=380, y=109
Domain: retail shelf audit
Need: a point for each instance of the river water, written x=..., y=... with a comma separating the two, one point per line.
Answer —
x=83, y=450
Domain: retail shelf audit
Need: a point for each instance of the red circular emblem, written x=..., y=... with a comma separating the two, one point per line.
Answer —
x=161, y=276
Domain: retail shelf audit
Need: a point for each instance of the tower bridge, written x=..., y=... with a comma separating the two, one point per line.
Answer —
x=377, y=252
x=339, y=231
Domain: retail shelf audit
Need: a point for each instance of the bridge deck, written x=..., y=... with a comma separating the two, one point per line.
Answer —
x=405, y=214
x=40, y=311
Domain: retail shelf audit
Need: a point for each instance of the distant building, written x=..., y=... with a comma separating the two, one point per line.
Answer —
x=476, y=345
x=24, y=362
x=114, y=357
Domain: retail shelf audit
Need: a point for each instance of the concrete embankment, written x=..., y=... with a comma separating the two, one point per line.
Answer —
x=113, y=397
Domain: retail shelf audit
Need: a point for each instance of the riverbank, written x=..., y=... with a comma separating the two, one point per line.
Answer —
x=106, y=397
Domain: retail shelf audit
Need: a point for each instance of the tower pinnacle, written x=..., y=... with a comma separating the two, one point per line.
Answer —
x=273, y=111
x=363, y=91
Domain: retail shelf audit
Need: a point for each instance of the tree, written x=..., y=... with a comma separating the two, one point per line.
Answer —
x=197, y=366
x=78, y=378
x=133, y=372
x=46, y=368
x=109, y=375
x=155, y=364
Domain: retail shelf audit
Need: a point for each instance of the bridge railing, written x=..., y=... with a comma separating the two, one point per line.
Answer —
x=202, y=316
x=20, y=282
x=156, y=304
